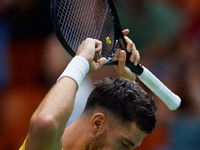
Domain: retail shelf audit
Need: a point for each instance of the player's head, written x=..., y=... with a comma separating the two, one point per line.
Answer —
x=119, y=114
x=125, y=101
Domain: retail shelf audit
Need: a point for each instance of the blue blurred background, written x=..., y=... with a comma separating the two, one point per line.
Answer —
x=167, y=34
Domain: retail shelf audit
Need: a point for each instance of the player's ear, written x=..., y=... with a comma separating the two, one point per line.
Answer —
x=98, y=121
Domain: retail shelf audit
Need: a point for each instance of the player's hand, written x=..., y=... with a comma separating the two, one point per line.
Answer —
x=120, y=55
x=135, y=56
x=91, y=49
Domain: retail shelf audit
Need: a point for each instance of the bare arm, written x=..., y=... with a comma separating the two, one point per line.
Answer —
x=48, y=122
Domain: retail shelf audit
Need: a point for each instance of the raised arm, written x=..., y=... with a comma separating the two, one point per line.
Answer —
x=48, y=122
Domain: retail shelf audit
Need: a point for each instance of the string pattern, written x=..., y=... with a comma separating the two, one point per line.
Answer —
x=81, y=19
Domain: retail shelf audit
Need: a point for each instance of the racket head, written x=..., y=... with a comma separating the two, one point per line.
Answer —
x=76, y=20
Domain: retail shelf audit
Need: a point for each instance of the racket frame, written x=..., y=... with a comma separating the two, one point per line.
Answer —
x=54, y=19
x=119, y=39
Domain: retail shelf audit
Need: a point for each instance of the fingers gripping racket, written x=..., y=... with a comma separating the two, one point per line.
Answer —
x=76, y=20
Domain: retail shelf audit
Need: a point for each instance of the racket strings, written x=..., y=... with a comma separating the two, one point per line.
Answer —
x=72, y=21
x=86, y=18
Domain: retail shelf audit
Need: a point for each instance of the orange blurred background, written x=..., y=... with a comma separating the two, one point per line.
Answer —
x=166, y=32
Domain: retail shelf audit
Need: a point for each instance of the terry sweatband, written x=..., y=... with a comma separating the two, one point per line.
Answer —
x=76, y=69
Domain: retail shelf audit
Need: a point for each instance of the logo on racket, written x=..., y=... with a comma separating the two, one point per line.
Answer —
x=108, y=41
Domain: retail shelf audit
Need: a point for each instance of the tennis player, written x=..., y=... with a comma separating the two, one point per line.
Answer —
x=118, y=113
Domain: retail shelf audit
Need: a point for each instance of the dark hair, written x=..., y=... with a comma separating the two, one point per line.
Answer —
x=127, y=100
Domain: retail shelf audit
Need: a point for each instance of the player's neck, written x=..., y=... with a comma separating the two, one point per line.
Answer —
x=76, y=136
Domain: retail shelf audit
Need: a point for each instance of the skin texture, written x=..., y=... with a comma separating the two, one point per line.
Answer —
x=102, y=135
x=89, y=132
x=120, y=55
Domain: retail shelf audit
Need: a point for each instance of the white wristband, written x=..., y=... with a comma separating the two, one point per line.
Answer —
x=76, y=69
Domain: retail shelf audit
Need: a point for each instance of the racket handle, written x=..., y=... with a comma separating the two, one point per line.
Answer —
x=153, y=83
x=156, y=86
x=136, y=69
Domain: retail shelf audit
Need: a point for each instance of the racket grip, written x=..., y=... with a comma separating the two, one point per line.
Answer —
x=156, y=86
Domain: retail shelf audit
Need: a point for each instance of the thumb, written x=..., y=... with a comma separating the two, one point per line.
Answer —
x=120, y=68
x=122, y=59
x=96, y=65
x=101, y=61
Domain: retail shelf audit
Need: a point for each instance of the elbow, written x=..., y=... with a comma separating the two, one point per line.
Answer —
x=43, y=126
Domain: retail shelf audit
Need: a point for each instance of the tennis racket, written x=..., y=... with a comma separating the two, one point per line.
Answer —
x=76, y=20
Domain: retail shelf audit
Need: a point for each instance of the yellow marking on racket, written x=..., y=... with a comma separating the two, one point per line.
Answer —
x=108, y=41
